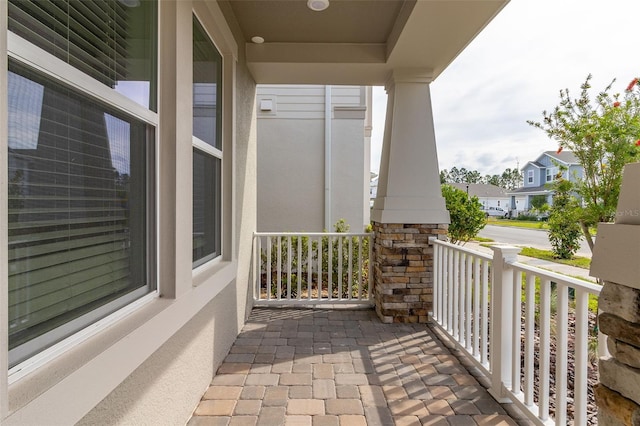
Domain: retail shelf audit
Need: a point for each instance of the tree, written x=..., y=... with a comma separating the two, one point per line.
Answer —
x=444, y=176
x=511, y=179
x=492, y=180
x=603, y=133
x=457, y=175
x=564, y=230
x=537, y=201
x=473, y=176
x=467, y=218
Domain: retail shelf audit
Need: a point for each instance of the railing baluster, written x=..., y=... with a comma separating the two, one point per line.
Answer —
x=350, y=273
x=289, y=267
x=360, y=280
x=476, y=307
x=468, y=312
x=330, y=267
x=517, y=331
x=436, y=282
x=257, y=267
x=561, y=353
x=269, y=243
x=461, y=300
x=370, y=276
x=320, y=267
x=456, y=294
x=339, y=282
x=446, y=278
x=279, y=286
x=529, y=329
x=581, y=357
x=545, y=325
x=450, y=284
x=485, y=314
x=299, y=268
x=309, y=268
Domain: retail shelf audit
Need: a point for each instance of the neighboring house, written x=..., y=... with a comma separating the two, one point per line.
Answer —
x=538, y=174
x=313, y=157
x=488, y=195
x=129, y=158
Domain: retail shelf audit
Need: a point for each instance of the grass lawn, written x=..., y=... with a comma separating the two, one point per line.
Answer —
x=578, y=261
x=518, y=223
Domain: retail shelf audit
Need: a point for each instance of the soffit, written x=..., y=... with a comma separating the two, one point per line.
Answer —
x=355, y=41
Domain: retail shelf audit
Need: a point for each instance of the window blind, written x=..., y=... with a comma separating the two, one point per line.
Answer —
x=105, y=39
x=90, y=35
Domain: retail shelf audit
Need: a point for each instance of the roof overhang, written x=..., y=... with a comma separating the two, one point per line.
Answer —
x=355, y=42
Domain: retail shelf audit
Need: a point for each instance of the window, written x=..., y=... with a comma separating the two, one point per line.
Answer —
x=551, y=173
x=80, y=171
x=207, y=147
x=529, y=176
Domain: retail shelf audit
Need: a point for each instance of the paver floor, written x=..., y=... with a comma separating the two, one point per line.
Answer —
x=343, y=367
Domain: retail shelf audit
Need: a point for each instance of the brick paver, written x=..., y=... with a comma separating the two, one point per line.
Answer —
x=341, y=368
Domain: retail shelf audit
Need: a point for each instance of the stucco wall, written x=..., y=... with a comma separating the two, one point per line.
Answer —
x=291, y=158
x=165, y=389
x=291, y=175
x=347, y=166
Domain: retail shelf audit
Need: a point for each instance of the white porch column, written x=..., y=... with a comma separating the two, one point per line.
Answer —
x=409, y=182
x=409, y=208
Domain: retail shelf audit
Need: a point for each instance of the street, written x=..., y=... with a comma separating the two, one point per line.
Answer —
x=537, y=238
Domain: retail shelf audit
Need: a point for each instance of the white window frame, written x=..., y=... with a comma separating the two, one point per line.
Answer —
x=25, y=53
x=529, y=176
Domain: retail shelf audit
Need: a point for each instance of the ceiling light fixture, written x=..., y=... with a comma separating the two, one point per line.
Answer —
x=317, y=5
x=257, y=39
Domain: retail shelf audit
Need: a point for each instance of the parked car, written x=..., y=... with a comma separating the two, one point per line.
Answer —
x=495, y=211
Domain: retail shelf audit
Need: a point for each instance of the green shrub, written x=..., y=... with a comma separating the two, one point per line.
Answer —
x=339, y=260
x=467, y=218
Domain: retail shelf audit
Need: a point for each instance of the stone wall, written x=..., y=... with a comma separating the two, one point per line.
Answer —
x=403, y=271
x=618, y=395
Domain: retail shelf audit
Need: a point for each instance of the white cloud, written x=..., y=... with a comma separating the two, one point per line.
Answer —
x=515, y=69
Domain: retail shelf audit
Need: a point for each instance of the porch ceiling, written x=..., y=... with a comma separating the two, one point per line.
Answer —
x=355, y=41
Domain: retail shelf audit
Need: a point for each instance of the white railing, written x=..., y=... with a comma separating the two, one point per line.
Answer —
x=506, y=315
x=312, y=268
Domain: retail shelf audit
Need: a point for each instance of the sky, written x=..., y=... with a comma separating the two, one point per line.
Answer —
x=514, y=69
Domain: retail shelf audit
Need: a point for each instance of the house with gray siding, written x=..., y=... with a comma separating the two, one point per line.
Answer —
x=539, y=174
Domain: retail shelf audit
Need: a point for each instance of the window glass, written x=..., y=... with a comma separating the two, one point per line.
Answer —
x=113, y=41
x=77, y=209
x=207, y=151
x=206, y=207
x=207, y=93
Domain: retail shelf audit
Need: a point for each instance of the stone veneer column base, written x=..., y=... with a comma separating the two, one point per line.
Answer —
x=618, y=394
x=403, y=270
